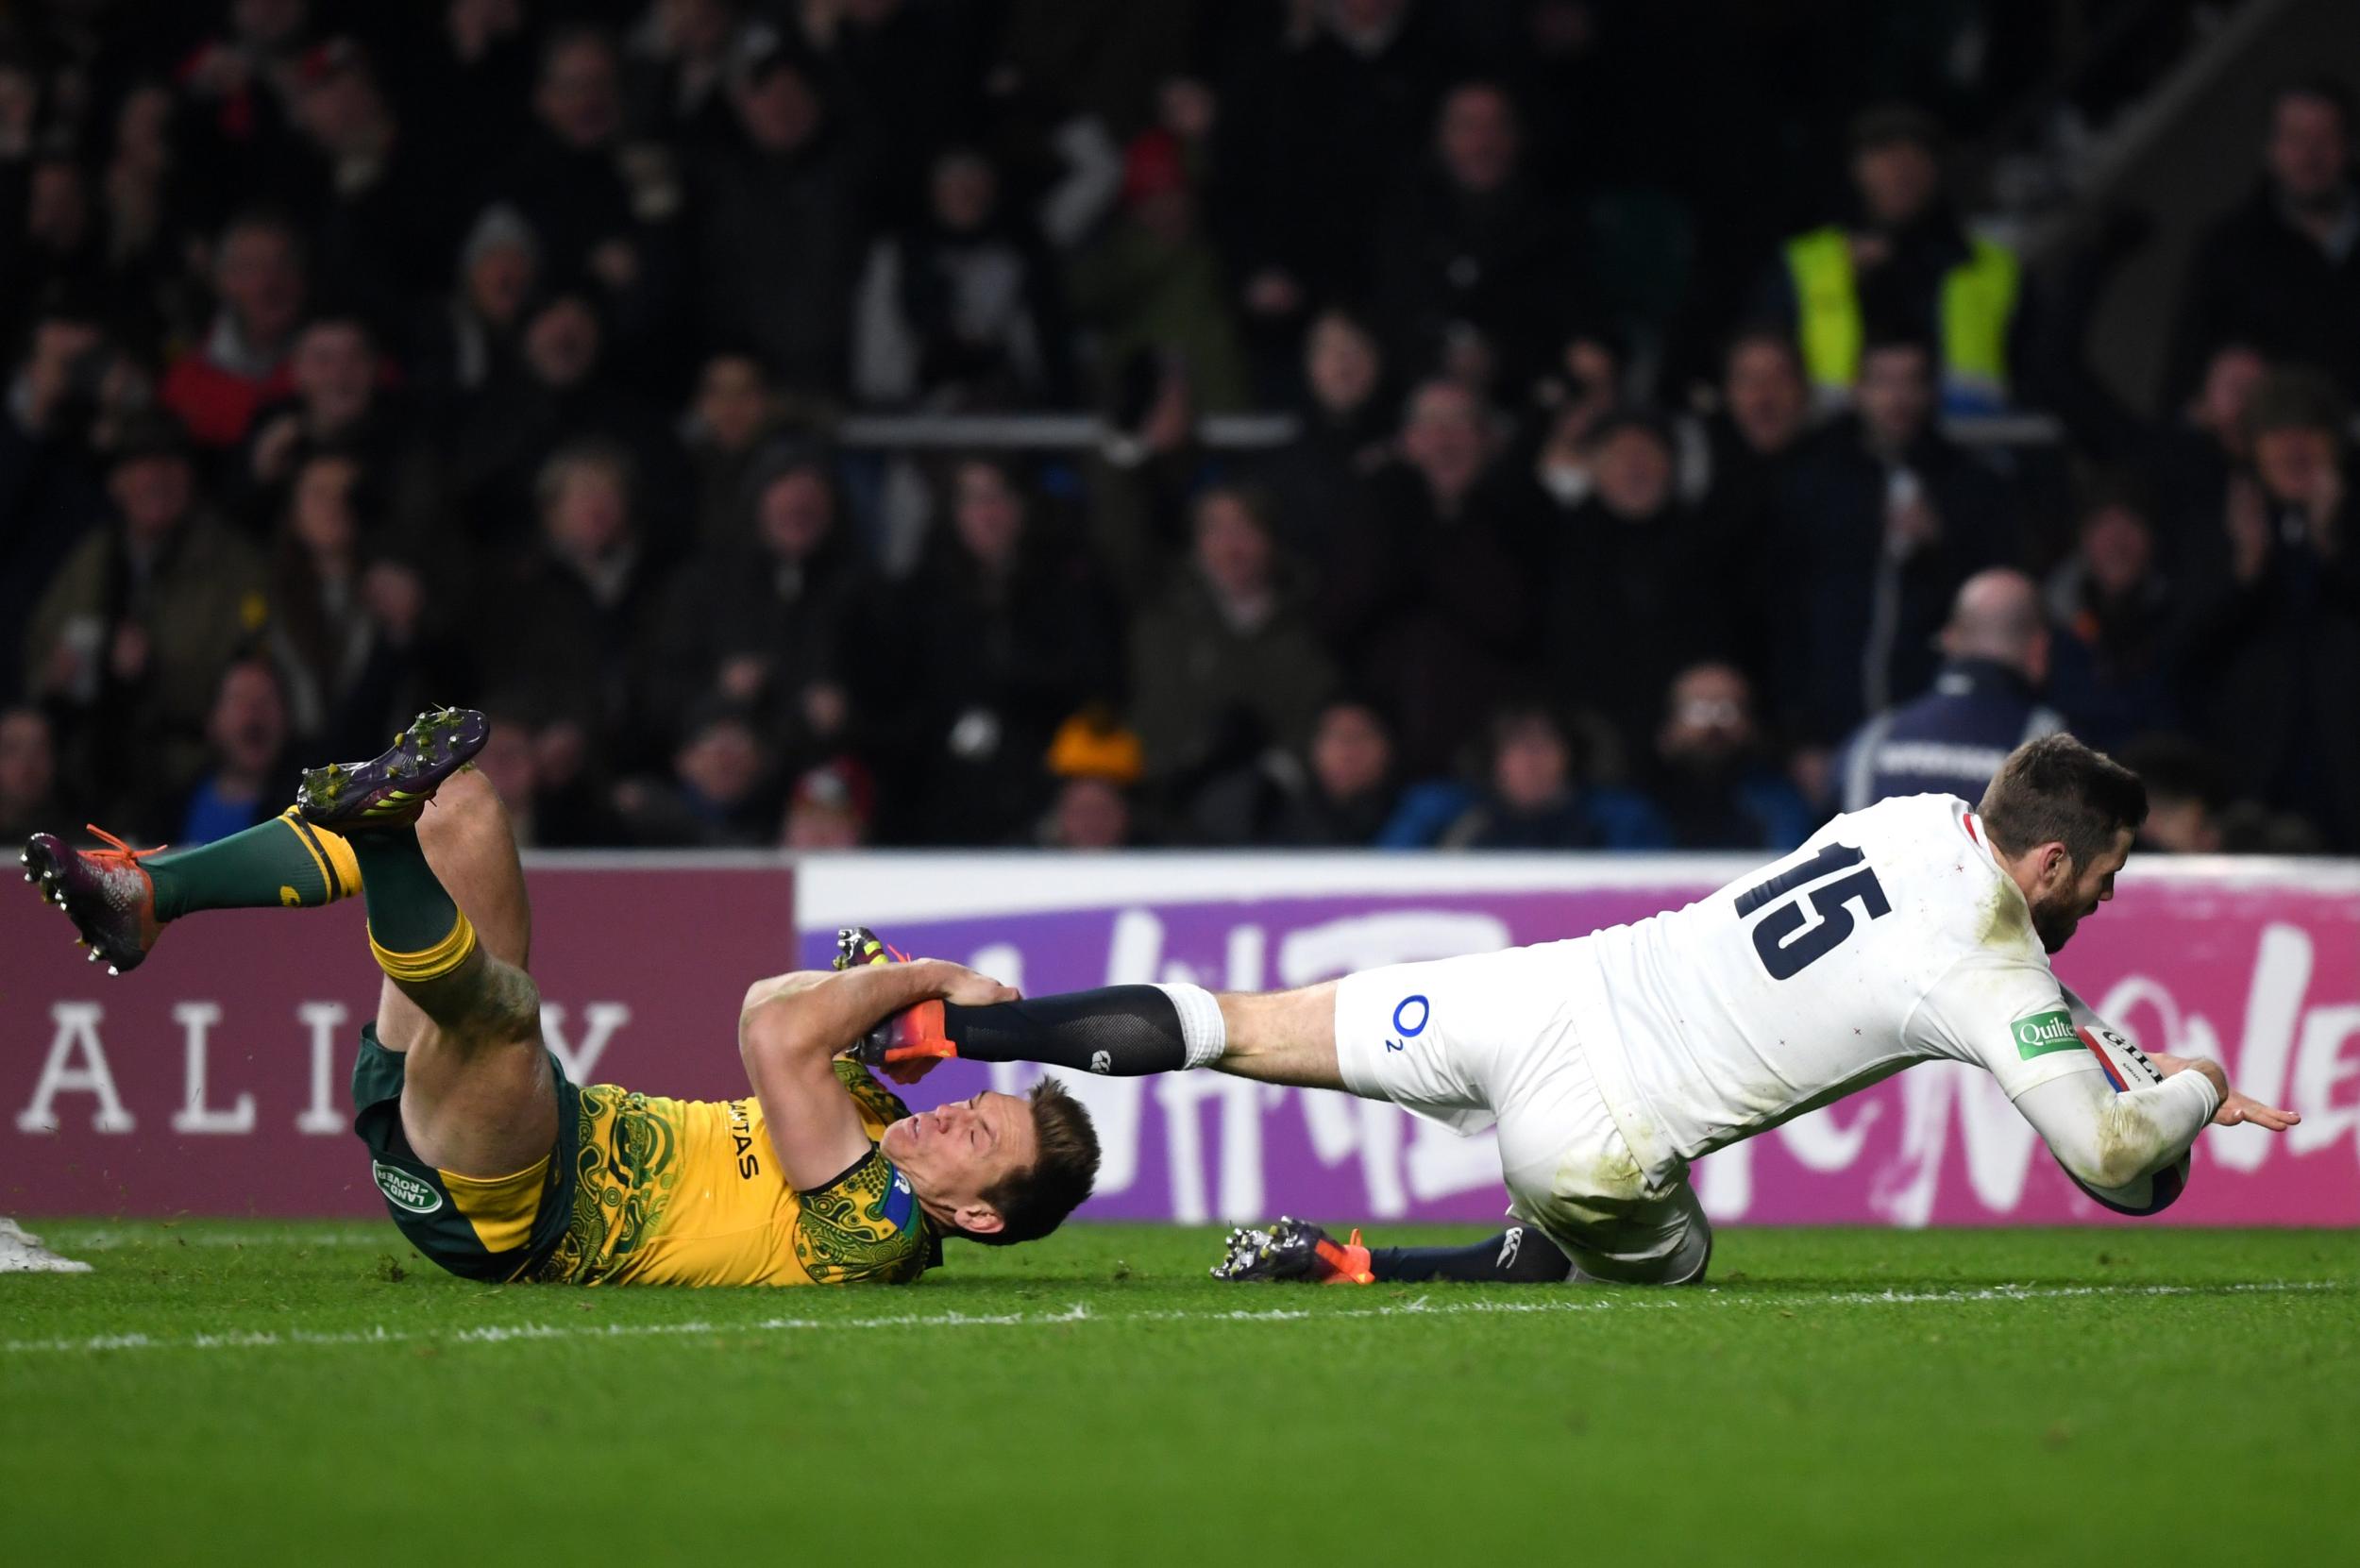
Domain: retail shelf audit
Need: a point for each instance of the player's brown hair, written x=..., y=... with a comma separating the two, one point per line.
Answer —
x=1036, y=1200
x=2056, y=789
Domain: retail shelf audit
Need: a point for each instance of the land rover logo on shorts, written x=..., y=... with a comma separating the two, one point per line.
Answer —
x=2042, y=1033
x=404, y=1191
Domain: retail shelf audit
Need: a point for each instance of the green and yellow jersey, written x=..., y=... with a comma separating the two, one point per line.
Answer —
x=642, y=1189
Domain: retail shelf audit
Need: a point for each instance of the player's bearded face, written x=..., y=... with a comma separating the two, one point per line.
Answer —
x=2073, y=892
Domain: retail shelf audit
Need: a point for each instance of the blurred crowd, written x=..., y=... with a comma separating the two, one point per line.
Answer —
x=365, y=355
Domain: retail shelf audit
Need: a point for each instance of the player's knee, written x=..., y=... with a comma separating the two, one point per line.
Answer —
x=505, y=1009
x=465, y=807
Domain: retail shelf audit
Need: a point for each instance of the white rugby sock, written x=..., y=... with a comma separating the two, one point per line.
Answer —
x=1203, y=1033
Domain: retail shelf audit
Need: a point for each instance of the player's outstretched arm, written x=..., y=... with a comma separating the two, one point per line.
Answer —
x=2107, y=1140
x=792, y=1027
x=2235, y=1109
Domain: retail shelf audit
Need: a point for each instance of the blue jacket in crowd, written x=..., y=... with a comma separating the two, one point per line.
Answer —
x=1949, y=741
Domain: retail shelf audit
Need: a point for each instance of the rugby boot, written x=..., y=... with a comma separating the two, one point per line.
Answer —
x=1293, y=1250
x=910, y=1042
x=389, y=790
x=107, y=893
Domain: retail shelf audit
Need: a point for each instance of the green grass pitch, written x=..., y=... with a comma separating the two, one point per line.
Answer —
x=249, y=1394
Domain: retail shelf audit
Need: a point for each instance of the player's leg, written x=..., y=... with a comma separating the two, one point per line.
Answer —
x=121, y=899
x=478, y=1098
x=1121, y=1031
x=471, y=847
x=478, y=1095
x=1293, y=1250
x=1573, y=1179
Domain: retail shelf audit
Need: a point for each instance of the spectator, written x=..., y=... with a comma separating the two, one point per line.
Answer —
x=339, y=403
x=1467, y=246
x=1309, y=145
x=478, y=70
x=2280, y=271
x=2190, y=809
x=715, y=797
x=1318, y=482
x=248, y=774
x=1634, y=586
x=1425, y=602
x=137, y=624
x=345, y=623
x=915, y=68
x=1901, y=262
x=1536, y=801
x=385, y=225
x=2112, y=629
x=2186, y=795
x=1154, y=283
x=565, y=630
x=1765, y=416
x=782, y=228
x=1712, y=780
x=1584, y=386
x=1873, y=532
x=680, y=60
x=766, y=621
x=1227, y=665
x=472, y=338
x=995, y=640
x=1984, y=705
x=2274, y=652
x=1142, y=480
x=1754, y=439
x=2190, y=461
x=50, y=487
x=257, y=278
x=28, y=774
x=1339, y=789
x=510, y=760
x=962, y=310
x=828, y=808
x=560, y=395
x=146, y=207
x=1088, y=813
x=567, y=179
x=239, y=85
x=727, y=433
x=53, y=240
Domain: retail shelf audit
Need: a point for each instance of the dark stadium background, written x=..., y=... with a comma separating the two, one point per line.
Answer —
x=1261, y=422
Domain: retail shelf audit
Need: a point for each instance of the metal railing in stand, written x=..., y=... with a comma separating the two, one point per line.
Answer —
x=1075, y=432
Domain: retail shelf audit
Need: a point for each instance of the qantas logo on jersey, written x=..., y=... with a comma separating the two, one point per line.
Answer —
x=2042, y=1033
x=742, y=1138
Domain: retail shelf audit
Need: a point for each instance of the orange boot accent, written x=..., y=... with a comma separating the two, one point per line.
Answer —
x=1349, y=1261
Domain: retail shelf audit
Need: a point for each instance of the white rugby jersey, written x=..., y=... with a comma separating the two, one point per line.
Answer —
x=1893, y=936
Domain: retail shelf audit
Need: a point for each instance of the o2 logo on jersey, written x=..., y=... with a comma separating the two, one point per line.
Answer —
x=1407, y=1008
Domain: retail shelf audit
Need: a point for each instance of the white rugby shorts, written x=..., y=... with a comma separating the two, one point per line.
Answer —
x=1490, y=1038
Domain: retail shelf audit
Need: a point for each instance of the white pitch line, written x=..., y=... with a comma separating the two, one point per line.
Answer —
x=1420, y=1307
x=108, y=1241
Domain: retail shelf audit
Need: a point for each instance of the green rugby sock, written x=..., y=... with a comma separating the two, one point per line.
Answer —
x=415, y=930
x=284, y=862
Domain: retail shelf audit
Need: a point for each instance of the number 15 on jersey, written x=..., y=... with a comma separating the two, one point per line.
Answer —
x=1787, y=940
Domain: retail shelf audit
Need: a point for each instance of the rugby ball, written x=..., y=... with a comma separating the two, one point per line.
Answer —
x=2128, y=1068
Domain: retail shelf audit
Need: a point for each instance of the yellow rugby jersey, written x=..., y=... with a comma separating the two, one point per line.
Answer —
x=689, y=1193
